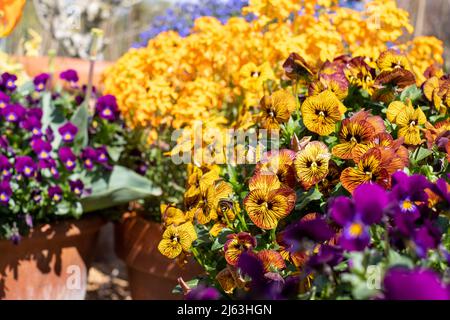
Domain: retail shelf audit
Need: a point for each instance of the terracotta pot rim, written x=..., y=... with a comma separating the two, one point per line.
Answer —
x=62, y=229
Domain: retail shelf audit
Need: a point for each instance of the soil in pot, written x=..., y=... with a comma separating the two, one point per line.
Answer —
x=51, y=263
x=151, y=275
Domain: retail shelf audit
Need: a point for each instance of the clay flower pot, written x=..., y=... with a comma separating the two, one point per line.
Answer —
x=151, y=275
x=36, y=65
x=51, y=263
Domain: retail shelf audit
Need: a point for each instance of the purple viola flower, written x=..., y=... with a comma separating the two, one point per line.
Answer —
x=42, y=148
x=8, y=81
x=203, y=293
x=442, y=189
x=49, y=135
x=4, y=100
x=417, y=284
x=5, y=167
x=306, y=233
x=35, y=112
x=425, y=238
x=55, y=193
x=40, y=81
x=76, y=186
x=4, y=144
x=68, y=132
x=356, y=215
x=89, y=155
x=5, y=192
x=67, y=157
x=33, y=125
x=25, y=166
x=70, y=76
x=102, y=155
x=15, y=237
x=36, y=196
x=327, y=256
x=13, y=112
x=408, y=194
x=51, y=165
x=106, y=107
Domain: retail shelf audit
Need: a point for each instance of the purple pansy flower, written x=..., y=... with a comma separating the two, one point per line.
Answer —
x=408, y=193
x=51, y=165
x=25, y=166
x=28, y=220
x=67, y=157
x=42, y=148
x=35, y=112
x=4, y=100
x=357, y=214
x=203, y=293
x=40, y=81
x=33, y=125
x=68, y=132
x=70, y=76
x=5, y=192
x=8, y=81
x=102, y=154
x=5, y=167
x=304, y=234
x=4, y=143
x=76, y=186
x=89, y=155
x=426, y=237
x=55, y=193
x=13, y=112
x=404, y=284
x=36, y=195
x=327, y=255
x=106, y=107
x=49, y=135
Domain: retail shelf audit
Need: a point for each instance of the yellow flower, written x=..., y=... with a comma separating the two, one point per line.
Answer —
x=410, y=121
x=10, y=14
x=253, y=76
x=266, y=202
x=311, y=163
x=391, y=59
x=276, y=109
x=177, y=239
x=322, y=112
x=172, y=215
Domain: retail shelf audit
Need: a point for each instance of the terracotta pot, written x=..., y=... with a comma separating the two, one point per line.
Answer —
x=51, y=263
x=36, y=65
x=151, y=275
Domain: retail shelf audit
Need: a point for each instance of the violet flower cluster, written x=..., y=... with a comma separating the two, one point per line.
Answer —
x=48, y=156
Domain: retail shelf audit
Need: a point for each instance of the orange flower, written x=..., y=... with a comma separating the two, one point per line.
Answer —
x=267, y=202
x=370, y=168
x=322, y=112
x=311, y=163
x=272, y=260
x=280, y=164
x=276, y=109
x=392, y=59
x=238, y=244
x=395, y=154
x=10, y=14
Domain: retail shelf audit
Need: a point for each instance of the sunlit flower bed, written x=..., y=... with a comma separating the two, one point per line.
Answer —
x=353, y=204
x=207, y=74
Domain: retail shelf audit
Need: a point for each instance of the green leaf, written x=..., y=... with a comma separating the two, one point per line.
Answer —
x=80, y=118
x=312, y=195
x=25, y=89
x=219, y=242
x=120, y=186
x=420, y=154
x=412, y=92
x=396, y=259
x=191, y=283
